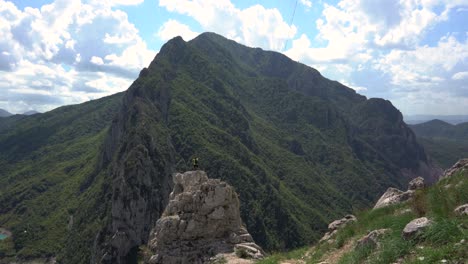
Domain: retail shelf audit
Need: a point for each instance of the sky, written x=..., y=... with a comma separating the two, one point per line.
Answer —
x=411, y=52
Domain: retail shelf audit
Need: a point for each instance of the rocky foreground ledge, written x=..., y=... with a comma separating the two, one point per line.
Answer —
x=201, y=224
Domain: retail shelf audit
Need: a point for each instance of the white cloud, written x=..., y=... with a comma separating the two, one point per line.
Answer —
x=173, y=28
x=306, y=3
x=253, y=26
x=460, y=76
x=97, y=60
x=424, y=65
x=58, y=53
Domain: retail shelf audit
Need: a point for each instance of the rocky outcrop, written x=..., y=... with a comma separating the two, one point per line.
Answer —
x=140, y=158
x=416, y=184
x=334, y=226
x=461, y=210
x=371, y=239
x=395, y=196
x=201, y=220
x=461, y=165
x=416, y=227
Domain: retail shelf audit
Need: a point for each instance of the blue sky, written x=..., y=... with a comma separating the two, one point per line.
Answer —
x=412, y=52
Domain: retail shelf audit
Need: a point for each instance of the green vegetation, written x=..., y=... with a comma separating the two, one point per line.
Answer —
x=300, y=150
x=440, y=241
x=445, y=143
x=45, y=163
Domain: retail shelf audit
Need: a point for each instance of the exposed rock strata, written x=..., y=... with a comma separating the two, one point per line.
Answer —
x=416, y=184
x=395, y=196
x=201, y=221
x=461, y=165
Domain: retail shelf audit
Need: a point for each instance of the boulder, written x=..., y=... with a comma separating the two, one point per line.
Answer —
x=201, y=220
x=416, y=184
x=415, y=227
x=461, y=210
x=393, y=196
x=372, y=238
x=461, y=165
x=337, y=224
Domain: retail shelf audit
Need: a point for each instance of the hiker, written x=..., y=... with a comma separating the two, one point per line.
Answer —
x=195, y=163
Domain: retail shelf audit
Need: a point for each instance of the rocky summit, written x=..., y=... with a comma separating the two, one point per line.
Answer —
x=200, y=223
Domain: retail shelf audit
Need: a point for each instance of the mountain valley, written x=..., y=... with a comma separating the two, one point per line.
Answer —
x=87, y=183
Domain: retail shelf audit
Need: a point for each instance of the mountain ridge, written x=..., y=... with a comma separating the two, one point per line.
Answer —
x=445, y=142
x=4, y=113
x=299, y=149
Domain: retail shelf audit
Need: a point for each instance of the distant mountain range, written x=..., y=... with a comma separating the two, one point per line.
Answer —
x=31, y=112
x=4, y=113
x=452, y=119
x=87, y=182
x=445, y=142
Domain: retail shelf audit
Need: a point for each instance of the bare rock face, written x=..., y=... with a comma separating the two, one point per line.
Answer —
x=461, y=210
x=393, y=196
x=416, y=184
x=201, y=221
x=415, y=227
x=372, y=238
x=334, y=226
x=457, y=167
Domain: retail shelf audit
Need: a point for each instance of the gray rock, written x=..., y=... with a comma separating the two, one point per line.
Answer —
x=371, y=239
x=416, y=183
x=393, y=196
x=461, y=210
x=461, y=165
x=337, y=224
x=201, y=220
x=416, y=227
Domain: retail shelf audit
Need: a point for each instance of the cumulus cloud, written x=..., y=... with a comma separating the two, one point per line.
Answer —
x=425, y=65
x=379, y=45
x=63, y=49
x=254, y=26
x=173, y=28
x=306, y=3
x=460, y=75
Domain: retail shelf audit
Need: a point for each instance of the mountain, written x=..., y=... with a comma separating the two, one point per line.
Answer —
x=452, y=119
x=31, y=112
x=445, y=142
x=91, y=180
x=4, y=113
x=388, y=235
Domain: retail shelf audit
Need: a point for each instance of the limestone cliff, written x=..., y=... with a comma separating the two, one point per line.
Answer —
x=201, y=222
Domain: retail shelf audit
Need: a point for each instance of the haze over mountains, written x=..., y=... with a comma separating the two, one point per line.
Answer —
x=4, y=113
x=452, y=119
x=445, y=142
x=87, y=182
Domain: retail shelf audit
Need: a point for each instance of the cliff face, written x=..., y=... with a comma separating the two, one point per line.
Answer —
x=298, y=148
x=139, y=156
x=201, y=221
x=294, y=144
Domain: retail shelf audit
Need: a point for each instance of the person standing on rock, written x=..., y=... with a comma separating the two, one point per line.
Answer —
x=195, y=163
